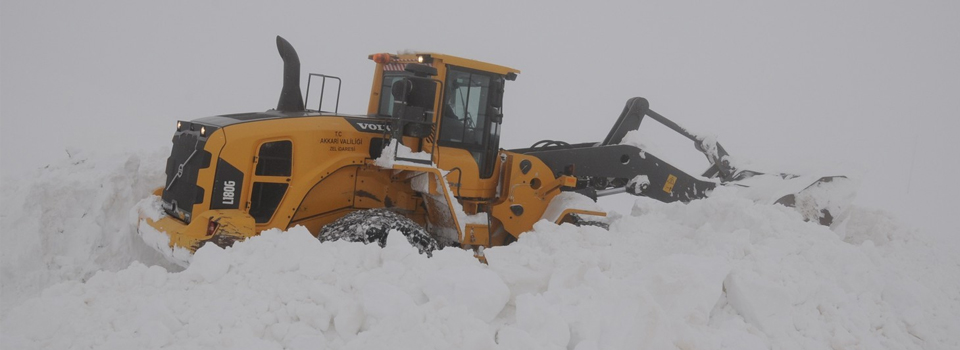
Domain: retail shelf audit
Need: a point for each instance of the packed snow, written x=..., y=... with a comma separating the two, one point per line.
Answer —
x=394, y=153
x=720, y=273
x=71, y=219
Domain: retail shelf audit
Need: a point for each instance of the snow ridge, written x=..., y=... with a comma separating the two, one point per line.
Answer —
x=69, y=220
x=720, y=273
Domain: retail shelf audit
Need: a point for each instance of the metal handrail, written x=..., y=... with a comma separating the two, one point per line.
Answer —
x=323, y=87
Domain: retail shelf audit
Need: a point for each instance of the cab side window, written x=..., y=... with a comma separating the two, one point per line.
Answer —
x=270, y=180
x=274, y=158
x=386, y=98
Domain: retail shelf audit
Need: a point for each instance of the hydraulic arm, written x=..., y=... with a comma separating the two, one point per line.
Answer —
x=610, y=167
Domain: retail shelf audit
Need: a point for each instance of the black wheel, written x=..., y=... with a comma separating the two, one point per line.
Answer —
x=373, y=225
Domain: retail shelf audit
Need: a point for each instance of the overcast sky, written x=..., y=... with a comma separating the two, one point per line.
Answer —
x=865, y=88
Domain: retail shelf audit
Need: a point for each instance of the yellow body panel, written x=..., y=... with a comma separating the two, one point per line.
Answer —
x=531, y=191
x=233, y=225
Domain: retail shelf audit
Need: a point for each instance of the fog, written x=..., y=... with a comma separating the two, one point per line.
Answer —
x=866, y=89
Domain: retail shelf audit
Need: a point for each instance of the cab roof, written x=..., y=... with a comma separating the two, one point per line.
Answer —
x=412, y=57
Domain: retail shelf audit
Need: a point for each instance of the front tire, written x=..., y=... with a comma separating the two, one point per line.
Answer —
x=373, y=225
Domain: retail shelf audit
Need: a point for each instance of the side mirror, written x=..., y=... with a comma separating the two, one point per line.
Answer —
x=496, y=93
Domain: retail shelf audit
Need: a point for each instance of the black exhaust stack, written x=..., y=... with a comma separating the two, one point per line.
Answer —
x=290, y=98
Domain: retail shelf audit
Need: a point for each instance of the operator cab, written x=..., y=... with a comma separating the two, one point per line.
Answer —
x=467, y=113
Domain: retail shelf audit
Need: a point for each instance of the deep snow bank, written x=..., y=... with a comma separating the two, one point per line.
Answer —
x=728, y=273
x=71, y=219
x=718, y=273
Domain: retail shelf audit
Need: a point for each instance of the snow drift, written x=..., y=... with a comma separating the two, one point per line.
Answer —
x=718, y=273
x=68, y=220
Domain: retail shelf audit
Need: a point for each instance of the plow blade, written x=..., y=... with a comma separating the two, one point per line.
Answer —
x=823, y=200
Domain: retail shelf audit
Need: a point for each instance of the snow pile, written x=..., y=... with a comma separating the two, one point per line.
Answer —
x=72, y=219
x=635, y=138
x=713, y=274
x=396, y=153
x=277, y=290
x=567, y=200
x=727, y=273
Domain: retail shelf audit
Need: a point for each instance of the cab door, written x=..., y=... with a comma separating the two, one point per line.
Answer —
x=470, y=125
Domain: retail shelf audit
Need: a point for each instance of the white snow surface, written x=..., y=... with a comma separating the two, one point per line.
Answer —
x=71, y=219
x=635, y=139
x=720, y=273
x=566, y=200
x=393, y=150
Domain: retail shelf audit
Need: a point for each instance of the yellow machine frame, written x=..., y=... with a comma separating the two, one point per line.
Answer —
x=333, y=173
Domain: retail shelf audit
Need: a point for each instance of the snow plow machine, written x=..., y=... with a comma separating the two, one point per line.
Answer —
x=424, y=160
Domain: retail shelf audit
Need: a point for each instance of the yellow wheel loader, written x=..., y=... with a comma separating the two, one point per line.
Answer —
x=425, y=159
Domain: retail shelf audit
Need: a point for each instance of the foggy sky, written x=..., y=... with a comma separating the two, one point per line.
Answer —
x=868, y=89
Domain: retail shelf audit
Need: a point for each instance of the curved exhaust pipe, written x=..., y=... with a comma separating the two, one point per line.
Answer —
x=290, y=98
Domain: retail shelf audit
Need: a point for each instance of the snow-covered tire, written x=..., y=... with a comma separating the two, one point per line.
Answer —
x=373, y=225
